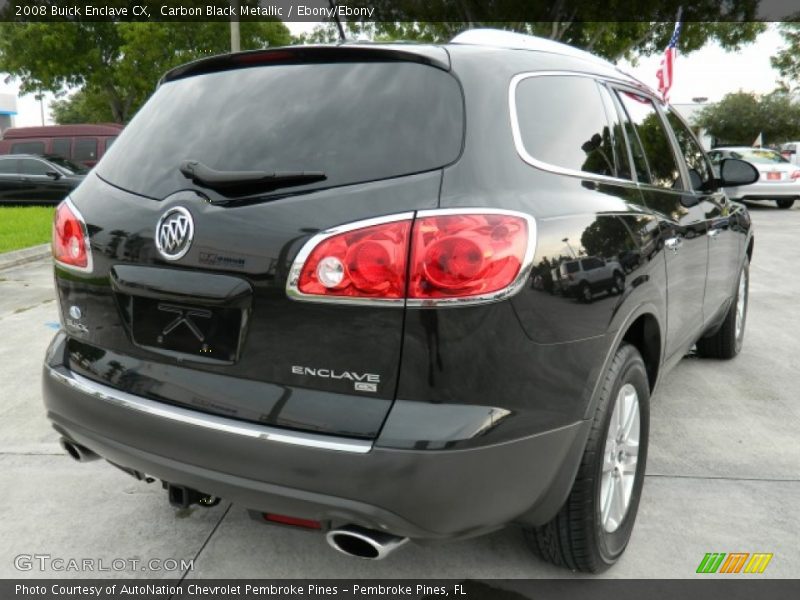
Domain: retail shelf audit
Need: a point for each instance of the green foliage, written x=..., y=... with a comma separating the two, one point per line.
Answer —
x=118, y=64
x=579, y=23
x=24, y=226
x=739, y=117
x=84, y=106
x=787, y=60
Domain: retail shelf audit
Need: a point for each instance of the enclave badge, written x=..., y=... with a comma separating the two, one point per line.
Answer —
x=174, y=233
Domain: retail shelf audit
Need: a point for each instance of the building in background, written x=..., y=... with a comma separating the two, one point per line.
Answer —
x=8, y=108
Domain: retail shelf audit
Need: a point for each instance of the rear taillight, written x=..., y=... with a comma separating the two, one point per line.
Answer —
x=796, y=175
x=362, y=261
x=457, y=256
x=70, y=239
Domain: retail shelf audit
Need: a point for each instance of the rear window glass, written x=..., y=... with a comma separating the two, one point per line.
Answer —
x=356, y=122
x=27, y=148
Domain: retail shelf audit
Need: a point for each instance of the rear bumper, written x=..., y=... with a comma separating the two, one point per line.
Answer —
x=422, y=494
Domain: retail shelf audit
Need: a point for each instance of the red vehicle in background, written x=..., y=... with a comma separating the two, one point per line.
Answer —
x=83, y=144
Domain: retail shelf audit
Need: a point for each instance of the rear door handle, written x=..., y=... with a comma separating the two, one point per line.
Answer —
x=673, y=243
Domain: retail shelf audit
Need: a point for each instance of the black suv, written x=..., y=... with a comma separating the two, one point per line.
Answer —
x=318, y=282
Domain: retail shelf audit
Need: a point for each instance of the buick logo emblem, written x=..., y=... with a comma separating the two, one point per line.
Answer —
x=174, y=233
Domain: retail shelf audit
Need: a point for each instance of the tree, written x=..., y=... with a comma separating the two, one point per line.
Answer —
x=580, y=23
x=84, y=106
x=739, y=117
x=787, y=60
x=117, y=64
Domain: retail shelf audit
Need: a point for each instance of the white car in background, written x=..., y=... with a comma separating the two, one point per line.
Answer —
x=779, y=179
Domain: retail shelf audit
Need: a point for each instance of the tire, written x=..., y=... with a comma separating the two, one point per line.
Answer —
x=727, y=342
x=583, y=536
x=619, y=282
x=585, y=293
x=785, y=203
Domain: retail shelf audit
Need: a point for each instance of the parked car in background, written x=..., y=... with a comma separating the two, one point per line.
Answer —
x=336, y=314
x=791, y=152
x=33, y=179
x=586, y=276
x=83, y=144
x=778, y=180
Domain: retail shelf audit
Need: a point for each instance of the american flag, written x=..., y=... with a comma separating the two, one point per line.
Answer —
x=664, y=73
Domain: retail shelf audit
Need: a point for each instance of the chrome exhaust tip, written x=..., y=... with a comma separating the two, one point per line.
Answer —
x=361, y=542
x=77, y=452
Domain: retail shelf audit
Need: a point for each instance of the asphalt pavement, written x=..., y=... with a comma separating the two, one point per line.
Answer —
x=723, y=473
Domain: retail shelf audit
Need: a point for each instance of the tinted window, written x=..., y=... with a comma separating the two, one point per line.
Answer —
x=654, y=140
x=61, y=147
x=591, y=263
x=617, y=135
x=699, y=170
x=8, y=166
x=30, y=166
x=27, y=148
x=67, y=166
x=355, y=122
x=562, y=122
x=85, y=149
x=110, y=141
x=570, y=267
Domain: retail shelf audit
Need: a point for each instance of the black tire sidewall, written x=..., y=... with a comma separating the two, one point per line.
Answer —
x=611, y=545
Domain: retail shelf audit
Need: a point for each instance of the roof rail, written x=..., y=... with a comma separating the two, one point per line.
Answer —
x=501, y=38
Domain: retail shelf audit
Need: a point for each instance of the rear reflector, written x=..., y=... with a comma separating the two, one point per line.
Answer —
x=70, y=239
x=457, y=256
x=293, y=521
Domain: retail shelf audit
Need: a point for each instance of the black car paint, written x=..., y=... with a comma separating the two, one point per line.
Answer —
x=457, y=384
x=25, y=188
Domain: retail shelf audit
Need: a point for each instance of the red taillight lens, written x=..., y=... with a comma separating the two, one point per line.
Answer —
x=293, y=521
x=365, y=262
x=461, y=255
x=70, y=245
x=796, y=175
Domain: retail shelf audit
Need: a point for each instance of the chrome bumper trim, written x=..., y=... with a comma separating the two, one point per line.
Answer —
x=212, y=422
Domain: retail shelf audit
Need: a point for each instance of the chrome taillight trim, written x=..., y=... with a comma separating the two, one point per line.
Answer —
x=206, y=421
x=86, y=242
x=515, y=286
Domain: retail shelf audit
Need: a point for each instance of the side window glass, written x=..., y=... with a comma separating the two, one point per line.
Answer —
x=29, y=166
x=61, y=146
x=27, y=148
x=617, y=137
x=639, y=161
x=700, y=173
x=562, y=122
x=654, y=139
x=85, y=149
x=8, y=166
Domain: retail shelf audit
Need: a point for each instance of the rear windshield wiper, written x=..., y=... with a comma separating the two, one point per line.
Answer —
x=238, y=182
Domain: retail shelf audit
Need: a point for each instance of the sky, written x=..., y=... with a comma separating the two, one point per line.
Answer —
x=709, y=72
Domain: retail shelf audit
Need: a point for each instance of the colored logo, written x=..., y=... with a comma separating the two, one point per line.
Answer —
x=735, y=562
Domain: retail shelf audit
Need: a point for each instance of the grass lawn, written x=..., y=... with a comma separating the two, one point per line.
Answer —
x=23, y=226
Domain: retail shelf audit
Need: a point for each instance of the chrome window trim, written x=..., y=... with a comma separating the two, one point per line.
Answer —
x=293, y=291
x=549, y=167
x=194, y=418
x=87, y=243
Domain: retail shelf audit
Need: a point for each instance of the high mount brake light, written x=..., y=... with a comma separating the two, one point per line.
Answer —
x=70, y=238
x=457, y=256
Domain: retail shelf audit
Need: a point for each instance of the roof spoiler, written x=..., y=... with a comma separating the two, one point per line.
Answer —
x=434, y=56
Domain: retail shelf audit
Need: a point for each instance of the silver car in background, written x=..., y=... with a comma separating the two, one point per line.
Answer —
x=779, y=179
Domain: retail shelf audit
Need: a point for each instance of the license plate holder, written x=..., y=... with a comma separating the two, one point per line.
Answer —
x=200, y=332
